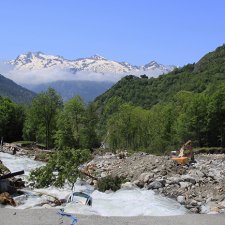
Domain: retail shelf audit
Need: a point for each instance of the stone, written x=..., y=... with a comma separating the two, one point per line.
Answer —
x=198, y=173
x=184, y=184
x=181, y=199
x=164, y=173
x=144, y=177
x=6, y=199
x=173, y=180
x=188, y=178
x=103, y=174
x=6, y=187
x=194, y=210
x=128, y=185
x=222, y=203
x=155, y=185
x=194, y=203
x=214, y=210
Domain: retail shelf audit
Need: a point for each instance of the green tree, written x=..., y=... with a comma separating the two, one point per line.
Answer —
x=89, y=138
x=216, y=117
x=11, y=120
x=41, y=117
x=71, y=123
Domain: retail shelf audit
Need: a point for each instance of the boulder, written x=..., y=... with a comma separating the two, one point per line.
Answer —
x=145, y=177
x=188, y=178
x=194, y=210
x=6, y=199
x=155, y=185
x=139, y=183
x=173, y=180
x=6, y=187
x=185, y=184
x=128, y=185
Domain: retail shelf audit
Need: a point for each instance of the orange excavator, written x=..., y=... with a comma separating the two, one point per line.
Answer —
x=185, y=154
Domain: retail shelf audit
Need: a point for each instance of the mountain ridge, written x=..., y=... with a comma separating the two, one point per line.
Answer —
x=205, y=75
x=96, y=63
x=15, y=92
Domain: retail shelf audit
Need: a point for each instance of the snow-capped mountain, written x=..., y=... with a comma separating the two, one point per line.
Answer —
x=35, y=61
x=87, y=77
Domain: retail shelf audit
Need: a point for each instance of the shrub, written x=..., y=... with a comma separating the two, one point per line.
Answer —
x=110, y=183
x=62, y=166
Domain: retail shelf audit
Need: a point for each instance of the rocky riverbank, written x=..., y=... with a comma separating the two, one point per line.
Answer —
x=200, y=187
x=31, y=151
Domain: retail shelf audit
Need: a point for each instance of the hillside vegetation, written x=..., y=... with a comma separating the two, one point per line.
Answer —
x=158, y=114
x=15, y=92
x=205, y=75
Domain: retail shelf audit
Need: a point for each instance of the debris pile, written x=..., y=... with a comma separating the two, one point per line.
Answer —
x=200, y=187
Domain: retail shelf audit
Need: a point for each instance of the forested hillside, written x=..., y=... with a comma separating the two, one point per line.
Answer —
x=15, y=92
x=144, y=92
x=158, y=114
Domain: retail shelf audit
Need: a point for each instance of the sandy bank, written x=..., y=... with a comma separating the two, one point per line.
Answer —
x=50, y=217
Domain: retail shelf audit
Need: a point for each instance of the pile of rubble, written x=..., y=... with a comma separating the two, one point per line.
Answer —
x=200, y=187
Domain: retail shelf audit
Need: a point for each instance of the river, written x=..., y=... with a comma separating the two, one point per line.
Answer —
x=124, y=202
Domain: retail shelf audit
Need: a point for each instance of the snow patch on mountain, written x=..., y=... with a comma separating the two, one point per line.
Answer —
x=37, y=67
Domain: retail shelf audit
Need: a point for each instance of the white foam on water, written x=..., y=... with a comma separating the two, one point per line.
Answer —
x=16, y=163
x=124, y=202
x=135, y=202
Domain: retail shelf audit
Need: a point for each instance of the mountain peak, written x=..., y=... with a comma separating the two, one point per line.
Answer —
x=97, y=57
x=36, y=61
x=38, y=54
x=151, y=64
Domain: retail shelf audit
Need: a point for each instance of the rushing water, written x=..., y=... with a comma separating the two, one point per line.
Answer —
x=125, y=202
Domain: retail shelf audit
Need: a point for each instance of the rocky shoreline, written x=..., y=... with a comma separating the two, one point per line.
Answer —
x=200, y=187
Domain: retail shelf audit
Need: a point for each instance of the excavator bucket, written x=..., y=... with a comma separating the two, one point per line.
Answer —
x=181, y=160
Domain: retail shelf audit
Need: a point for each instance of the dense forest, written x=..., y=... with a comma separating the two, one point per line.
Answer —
x=205, y=75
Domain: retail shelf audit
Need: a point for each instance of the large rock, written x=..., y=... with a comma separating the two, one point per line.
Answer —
x=6, y=199
x=6, y=187
x=173, y=180
x=185, y=184
x=196, y=173
x=189, y=178
x=128, y=185
x=145, y=177
x=155, y=185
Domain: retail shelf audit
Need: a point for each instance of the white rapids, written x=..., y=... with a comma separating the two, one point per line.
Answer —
x=124, y=202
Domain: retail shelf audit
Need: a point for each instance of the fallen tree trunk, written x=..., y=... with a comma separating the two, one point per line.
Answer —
x=9, y=175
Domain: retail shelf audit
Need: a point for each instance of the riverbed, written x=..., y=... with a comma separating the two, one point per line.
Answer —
x=124, y=202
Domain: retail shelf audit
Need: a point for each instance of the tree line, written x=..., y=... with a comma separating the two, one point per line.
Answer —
x=196, y=116
x=50, y=121
x=75, y=125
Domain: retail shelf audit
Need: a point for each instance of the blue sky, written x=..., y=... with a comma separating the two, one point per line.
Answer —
x=137, y=31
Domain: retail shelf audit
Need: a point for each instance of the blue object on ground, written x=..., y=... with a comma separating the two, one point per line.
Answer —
x=62, y=213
